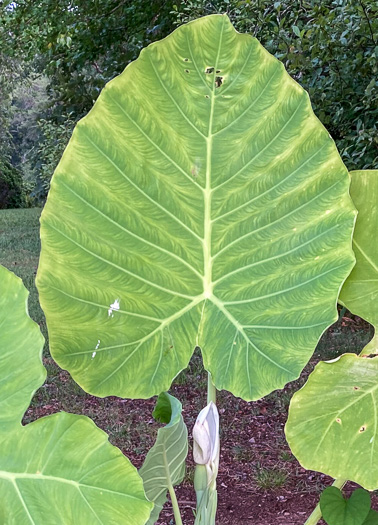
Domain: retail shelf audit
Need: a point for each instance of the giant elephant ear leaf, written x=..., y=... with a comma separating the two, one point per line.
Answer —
x=200, y=202
x=21, y=344
x=61, y=468
x=360, y=290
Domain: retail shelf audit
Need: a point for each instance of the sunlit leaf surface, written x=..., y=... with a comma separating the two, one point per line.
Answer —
x=21, y=343
x=333, y=420
x=200, y=202
x=360, y=290
x=62, y=470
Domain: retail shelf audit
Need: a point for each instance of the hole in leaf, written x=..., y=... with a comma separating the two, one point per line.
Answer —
x=207, y=96
x=186, y=59
x=218, y=71
x=218, y=81
x=338, y=420
x=209, y=70
x=362, y=429
x=187, y=71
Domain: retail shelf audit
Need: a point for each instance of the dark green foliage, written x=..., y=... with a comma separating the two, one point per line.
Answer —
x=12, y=192
x=82, y=46
x=47, y=152
x=79, y=49
x=330, y=48
x=337, y=510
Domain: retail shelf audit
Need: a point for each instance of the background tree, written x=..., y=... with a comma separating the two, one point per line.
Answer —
x=78, y=47
x=330, y=48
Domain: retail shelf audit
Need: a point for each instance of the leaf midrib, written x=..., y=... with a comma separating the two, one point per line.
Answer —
x=208, y=259
x=207, y=278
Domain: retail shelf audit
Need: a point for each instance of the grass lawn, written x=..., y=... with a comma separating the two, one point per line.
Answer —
x=19, y=252
x=259, y=481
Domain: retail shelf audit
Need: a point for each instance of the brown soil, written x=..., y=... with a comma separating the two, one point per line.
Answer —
x=254, y=452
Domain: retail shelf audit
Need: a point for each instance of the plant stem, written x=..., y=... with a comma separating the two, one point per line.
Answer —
x=342, y=313
x=211, y=390
x=175, y=506
x=317, y=513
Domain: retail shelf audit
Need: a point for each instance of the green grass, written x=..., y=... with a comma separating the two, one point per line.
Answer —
x=242, y=454
x=19, y=252
x=286, y=456
x=270, y=478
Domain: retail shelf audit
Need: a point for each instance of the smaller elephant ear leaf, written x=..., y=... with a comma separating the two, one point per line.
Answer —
x=321, y=435
x=74, y=476
x=360, y=291
x=336, y=510
x=164, y=466
x=21, y=344
x=61, y=469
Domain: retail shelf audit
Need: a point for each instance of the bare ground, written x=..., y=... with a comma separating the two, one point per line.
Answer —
x=259, y=482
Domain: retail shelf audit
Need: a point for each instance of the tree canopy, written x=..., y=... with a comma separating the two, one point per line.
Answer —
x=74, y=48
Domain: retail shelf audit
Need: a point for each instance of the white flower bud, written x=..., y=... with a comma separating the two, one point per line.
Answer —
x=206, y=437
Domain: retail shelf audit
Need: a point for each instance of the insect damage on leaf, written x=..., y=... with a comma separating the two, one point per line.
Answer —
x=218, y=81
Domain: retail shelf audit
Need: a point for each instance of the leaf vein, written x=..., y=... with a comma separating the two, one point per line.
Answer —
x=174, y=163
x=114, y=265
x=177, y=257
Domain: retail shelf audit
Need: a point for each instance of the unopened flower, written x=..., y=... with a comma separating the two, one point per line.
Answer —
x=206, y=439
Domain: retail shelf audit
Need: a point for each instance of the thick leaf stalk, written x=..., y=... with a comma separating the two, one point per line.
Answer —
x=206, y=457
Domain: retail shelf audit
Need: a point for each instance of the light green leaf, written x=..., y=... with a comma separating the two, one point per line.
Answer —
x=200, y=202
x=336, y=510
x=164, y=466
x=296, y=31
x=360, y=291
x=21, y=344
x=333, y=420
x=62, y=470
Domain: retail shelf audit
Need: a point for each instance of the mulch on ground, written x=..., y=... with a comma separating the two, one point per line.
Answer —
x=259, y=481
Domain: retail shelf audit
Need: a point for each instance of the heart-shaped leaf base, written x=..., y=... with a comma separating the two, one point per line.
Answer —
x=337, y=510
